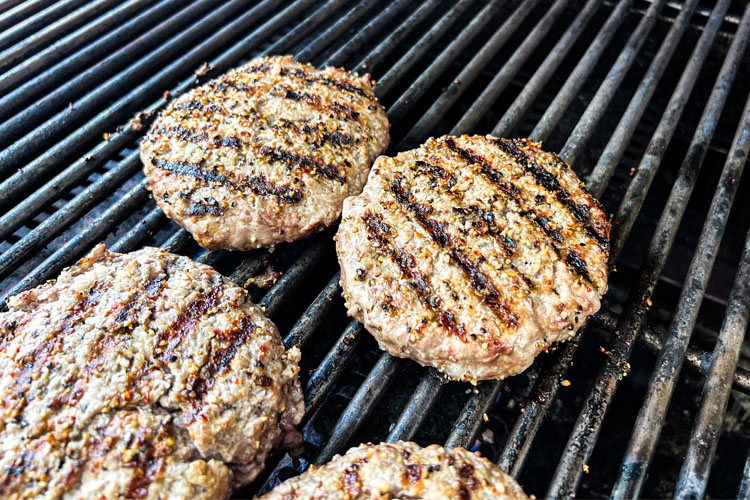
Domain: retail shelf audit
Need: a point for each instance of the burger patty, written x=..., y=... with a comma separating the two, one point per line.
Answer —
x=265, y=153
x=140, y=375
x=473, y=254
x=401, y=470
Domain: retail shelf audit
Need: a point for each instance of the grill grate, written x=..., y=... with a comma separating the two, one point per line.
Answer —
x=651, y=87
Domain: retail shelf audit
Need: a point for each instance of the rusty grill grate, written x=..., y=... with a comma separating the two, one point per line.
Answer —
x=647, y=100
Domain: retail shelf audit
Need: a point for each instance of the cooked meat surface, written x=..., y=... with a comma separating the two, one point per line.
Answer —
x=473, y=254
x=401, y=470
x=265, y=153
x=140, y=375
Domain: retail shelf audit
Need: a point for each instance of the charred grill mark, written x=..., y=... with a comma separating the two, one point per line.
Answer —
x=325, y=80
x=471, y=158
x=305, y=163
x=537, y=220
x=574, y=261
x=221, y=358
x=342, y=111
x=153, y=287
x=257, y=184
x=434, y=172
x=548, y=181
x=169, y=338
x=413, y=473
x=380, y=232
x=15, y=398
x=480, y=282
x=544, y=224
x=209, y=206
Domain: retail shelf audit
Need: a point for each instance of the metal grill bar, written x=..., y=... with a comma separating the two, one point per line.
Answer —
x=373, y=28
x=34, y=85
x=744, y=490
x=15, y=13
x=418, y=50
x=332, y=365
x=419, y=406
x=325, y=38
x=405, y=102
x=585, y=433
x=377, y=54
x=667, y=368
x=606, y=90
x=604, y=169
x=71, y=21
x=547, y=68
x=314, y=315
x=34, y=23
x=705, y=434
x=367, y=396
x=501, y=80
x=470, y=72
x=53, y=128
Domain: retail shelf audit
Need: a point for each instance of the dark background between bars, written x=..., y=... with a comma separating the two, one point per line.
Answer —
x=646, y=100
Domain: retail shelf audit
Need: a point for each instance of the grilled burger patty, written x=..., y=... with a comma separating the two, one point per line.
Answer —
x=473, y=254
x=140, y=375
x=401, y=470
x=266, y=153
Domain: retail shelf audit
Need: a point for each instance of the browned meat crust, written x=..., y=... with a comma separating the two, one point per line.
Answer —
x=266, y=153
x=401, y=470
x=473, y=254
x=141, y=375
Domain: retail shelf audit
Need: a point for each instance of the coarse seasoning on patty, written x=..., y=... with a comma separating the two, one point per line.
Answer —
x=265, y=153
x=140, y=375
x=473, y=254
x=401, y=470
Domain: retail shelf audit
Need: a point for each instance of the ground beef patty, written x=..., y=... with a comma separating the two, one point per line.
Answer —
x=473, y=254
x=140, y=375
x=265, y=153
x=402, y=470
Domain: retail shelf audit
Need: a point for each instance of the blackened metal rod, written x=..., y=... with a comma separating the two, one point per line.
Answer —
x=744, y=491
x=37, y=21
x=292, y=278
x=44, y=37
x=415, y=53
x=419, y=86
x=314, y=314
x=82, y=241
x=365, y=399
x=101, y=35
x=468, y=423
x=335, y=30
x=62, y=218
x=618, y=142
x=178, y=241
x=56, y=117
x=251, y=266
x=25, y=10
x=697, y=358
x=145, y=227
x=598, y=106
x=586, y=429
x=391, y=41
x=542, y=75
x=302, y=29
x=657, y=146
x=41, y=166
x=473, y=68
x=536, y=408
x=332, y=365
x=590, y=58
x=368, y=32
x=704, y=436
x=500, y=81
x=667, y=368
x=418, y=407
